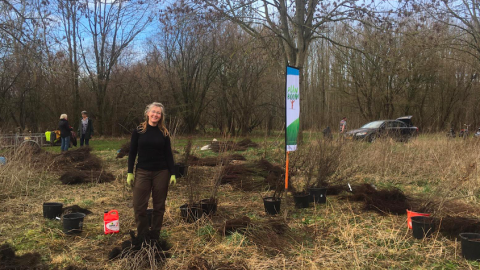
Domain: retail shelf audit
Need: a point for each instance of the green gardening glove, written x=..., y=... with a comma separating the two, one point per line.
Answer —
x=130, y=179
x=173, y=180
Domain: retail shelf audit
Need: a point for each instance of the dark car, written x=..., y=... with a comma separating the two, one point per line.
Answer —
x=400, y=129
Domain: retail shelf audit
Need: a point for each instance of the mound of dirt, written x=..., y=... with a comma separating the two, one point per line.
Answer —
x=272, y=235
x=235, y=157
x=383, y=201
x=80, y=159
x=333, y=190
x=230, y=266
x=80, y=166
x=218, y=146
x=450, y=207
x=198, y=263
x=124, y=150
x=8, y=259
x=247, y=143
x=28, y=148
x=73, y=177
x=452, y=226
x=74, y=267
x=253, y=176
x=73, y=156
x=148, y=243
x=91, y=163
x=235, y=225
x=75, y=209
x=214, y=161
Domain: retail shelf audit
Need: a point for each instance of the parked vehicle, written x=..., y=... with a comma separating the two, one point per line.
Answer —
x=400, y=129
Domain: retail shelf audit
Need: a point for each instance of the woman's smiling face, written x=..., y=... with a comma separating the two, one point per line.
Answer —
x=154, y=115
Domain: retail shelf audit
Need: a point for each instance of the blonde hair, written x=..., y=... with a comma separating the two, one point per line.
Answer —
x=63, y=116
x=142, y=128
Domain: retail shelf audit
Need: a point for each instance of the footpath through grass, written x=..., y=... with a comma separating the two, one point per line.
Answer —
x=335, y=235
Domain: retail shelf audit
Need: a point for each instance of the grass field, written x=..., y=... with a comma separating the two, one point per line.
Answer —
x=335, y=235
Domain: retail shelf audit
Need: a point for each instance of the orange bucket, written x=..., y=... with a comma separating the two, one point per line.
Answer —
x=411, y=214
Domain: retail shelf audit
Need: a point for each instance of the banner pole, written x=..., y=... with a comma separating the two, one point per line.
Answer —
x=286, y=174
x=286, y=152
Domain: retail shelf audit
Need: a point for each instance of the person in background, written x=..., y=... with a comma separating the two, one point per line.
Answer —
x=85, y=129
x=327, y=133
x=65, y=130
x=343, y=125
x=155, y=166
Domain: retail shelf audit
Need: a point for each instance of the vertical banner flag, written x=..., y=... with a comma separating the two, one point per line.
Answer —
x=292, y=114
x=292, y=108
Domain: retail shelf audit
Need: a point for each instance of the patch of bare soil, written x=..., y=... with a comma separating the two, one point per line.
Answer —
x=383, y=201
x=10, y=261
x=253, y=176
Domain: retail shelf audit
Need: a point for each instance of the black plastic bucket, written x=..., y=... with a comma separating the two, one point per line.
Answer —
x=52, y=210
x=272, y=205
x=209, y=207
x=191, y=213
x=470, y=246
x=422, y=226
x=73, y=223
x=180, y=170
x=149, y=217
x=302, y=200
x=318, y=195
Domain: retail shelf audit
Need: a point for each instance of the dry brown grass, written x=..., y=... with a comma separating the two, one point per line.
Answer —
x=20, y=176
x=337, y=235
x=449, y=167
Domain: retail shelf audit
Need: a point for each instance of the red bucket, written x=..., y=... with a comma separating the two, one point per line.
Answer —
x=411, y=214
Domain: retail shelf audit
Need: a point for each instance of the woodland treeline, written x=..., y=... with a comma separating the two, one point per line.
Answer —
x=220, y=65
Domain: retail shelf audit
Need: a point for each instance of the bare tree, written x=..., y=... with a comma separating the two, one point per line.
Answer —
x=69, y=12
x=109, y=29
x=295, y=24
x=461, y=15
x=191, y=62
x=242, y=90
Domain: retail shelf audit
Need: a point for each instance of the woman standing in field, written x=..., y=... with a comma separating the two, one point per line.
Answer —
x=155, y=166
x=65, y=130
x=85, y=129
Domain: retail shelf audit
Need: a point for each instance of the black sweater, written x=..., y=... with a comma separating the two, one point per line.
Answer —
x=154, y=151
x=64, y=128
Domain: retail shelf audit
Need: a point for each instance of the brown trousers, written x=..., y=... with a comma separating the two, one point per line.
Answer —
x=156, y=183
